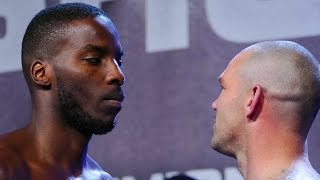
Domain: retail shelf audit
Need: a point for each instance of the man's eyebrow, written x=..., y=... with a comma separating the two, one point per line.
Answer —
x=100, y=49
x=91, y=47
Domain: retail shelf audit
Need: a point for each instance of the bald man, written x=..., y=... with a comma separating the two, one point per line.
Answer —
x=269, y=99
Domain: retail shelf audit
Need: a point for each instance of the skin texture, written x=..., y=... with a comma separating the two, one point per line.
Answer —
x=266, y=107
x=85, y=69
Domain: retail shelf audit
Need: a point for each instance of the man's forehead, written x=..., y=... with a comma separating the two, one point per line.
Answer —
x=241, y=57
x=108, y=24
x=93, y=30
x=235, y=64
x=93, y=23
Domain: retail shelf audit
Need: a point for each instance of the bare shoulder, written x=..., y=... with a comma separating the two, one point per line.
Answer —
x=4, y=168
x=92, y=169
x=11, y=165
x=7, y=163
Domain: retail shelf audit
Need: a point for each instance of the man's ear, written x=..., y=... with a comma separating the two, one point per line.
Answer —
x=41, y=74
x=254, y=103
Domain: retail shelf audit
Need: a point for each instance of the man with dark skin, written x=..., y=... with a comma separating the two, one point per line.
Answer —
x=71, y=58
x=268, y=101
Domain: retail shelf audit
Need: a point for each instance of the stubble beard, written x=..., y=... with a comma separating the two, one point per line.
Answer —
x=223, y=144
x=76, y=118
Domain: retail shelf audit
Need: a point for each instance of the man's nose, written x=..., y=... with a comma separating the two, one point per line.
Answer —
x=114, y=73
x=214, y=104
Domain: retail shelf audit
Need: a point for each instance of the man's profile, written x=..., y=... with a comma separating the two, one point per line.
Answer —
x=268, y=101
x=71, y=58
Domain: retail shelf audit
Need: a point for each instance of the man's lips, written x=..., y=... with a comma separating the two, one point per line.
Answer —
x=114, y=99
x=112, y=102
x=114, y=96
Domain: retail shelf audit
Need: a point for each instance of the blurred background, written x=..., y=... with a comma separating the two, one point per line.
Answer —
x=174, y=52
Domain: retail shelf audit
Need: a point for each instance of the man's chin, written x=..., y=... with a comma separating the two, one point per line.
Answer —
x=214, y=145
x=103, y=127
x=221, y=148
x=89, y=127
x=102, y=131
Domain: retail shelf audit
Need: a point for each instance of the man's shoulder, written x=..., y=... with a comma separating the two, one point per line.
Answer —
x=4, y=169
x=8, y=151
x=7, y=155
x=10, y=162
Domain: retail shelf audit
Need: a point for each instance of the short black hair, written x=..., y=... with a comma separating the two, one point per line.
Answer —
x=47, y=29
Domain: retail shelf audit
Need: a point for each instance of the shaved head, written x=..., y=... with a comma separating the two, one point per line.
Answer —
x=289, y=75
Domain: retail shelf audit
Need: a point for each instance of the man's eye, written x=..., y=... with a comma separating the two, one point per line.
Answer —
x=93, y=61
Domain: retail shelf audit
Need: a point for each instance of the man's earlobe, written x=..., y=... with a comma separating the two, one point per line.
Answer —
x=40, y=74
x=254, y=103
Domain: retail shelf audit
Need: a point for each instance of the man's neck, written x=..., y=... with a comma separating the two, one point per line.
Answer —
x=58, y=145
x=270, y=158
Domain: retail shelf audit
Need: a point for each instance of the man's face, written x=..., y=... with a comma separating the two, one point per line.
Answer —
x=88, y=76
x=230, y=112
